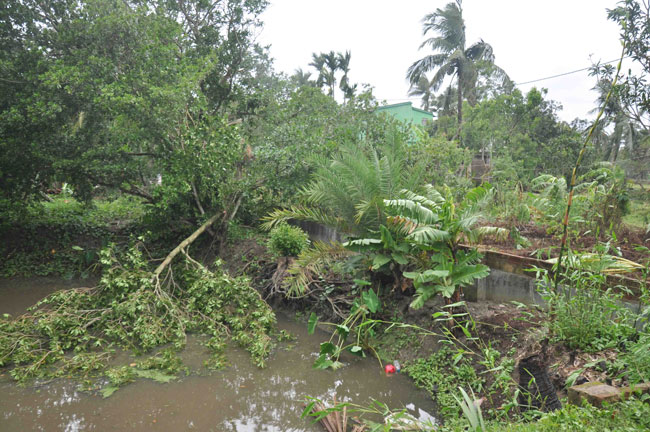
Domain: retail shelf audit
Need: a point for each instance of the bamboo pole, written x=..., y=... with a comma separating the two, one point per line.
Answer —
x=565, y=222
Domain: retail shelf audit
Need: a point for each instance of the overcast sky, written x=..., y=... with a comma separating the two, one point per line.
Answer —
x=531, y=39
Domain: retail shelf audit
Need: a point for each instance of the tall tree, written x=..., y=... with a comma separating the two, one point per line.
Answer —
x=113, y=93
x=344, y=66
x=302, y=78
x=624, y=129
x=451, y=55
x=327, y=65
x=423, y=89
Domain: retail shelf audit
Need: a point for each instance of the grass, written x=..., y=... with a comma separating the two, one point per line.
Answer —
x=631, y=415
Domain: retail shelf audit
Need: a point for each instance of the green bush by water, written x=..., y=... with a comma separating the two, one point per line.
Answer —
x=286, y=240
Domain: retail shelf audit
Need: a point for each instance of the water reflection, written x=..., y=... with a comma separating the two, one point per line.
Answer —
x=240, y=398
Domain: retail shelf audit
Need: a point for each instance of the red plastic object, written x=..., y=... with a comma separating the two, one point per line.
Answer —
x=390, y=369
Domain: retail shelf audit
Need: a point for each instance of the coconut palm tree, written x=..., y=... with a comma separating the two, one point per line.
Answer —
x=451, y=56
x=423, y=89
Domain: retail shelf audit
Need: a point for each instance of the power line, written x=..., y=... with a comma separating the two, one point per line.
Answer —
x=412, y=98
x=565, y=73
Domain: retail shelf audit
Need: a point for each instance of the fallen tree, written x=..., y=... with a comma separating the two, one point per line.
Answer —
x=73, y=331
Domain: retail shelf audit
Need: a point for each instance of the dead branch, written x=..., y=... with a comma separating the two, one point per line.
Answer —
x=188, y=241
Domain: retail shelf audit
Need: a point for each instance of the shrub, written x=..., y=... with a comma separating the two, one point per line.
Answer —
x=585, y=313
x=286, y=240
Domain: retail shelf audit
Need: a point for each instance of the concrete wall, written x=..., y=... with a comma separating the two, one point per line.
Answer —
x=318, y=232
x=501, y=286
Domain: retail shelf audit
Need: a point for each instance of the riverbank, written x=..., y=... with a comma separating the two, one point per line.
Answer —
x=237, y=397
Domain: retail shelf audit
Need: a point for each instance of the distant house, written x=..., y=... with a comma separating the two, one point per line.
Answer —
x=406, y=112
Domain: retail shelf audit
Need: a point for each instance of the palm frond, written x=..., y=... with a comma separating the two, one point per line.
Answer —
x=479, y=233
x=480, y=50
x=311, y=262
x=428, y=63
x=298, y=212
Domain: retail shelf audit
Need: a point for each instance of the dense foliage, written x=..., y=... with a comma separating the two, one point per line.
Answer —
x=286, y=240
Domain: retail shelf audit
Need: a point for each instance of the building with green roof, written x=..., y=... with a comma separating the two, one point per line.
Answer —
x=406, y=112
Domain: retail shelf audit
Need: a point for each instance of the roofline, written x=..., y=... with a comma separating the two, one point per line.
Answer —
x=394, y=105
x=402, y=104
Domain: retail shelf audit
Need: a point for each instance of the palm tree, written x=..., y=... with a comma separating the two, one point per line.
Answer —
x=624, y=129
x=332, y=65
x=318, y=63
x=302, y=78
x=424, y=89
x=451, y=55
x=344, y=66
x=326, y=64
x=348, y=190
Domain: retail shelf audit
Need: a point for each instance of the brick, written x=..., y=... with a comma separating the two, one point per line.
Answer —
x=594, y=392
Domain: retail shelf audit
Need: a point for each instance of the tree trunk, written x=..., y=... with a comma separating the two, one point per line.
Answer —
x=188, y=241
x=460, y=107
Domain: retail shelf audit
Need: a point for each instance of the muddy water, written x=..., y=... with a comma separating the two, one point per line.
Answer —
x=238, y=398
x=16, y=295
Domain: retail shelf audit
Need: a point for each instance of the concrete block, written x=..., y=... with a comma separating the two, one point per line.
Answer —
x=593, y=392
x=635, y=390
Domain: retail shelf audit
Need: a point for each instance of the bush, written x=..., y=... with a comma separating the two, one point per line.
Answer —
x=286, y=240
x=585, y=313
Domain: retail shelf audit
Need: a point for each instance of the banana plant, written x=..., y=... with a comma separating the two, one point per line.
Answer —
x=424, y=235
x=389, y=254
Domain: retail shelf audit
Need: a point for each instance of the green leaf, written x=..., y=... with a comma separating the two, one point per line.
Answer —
x=426, y=235
x=108, y=391
x=322, y=362
x=356, y=350
x=466, y=274
x=371, y=300
x=77, y=248
x=399, y=258
x=363, y=245
x=386, y=237
x=154, y=374
x=311, y=324
x=308, y=409
x=362, y=282
x=379, y=261
x=411, y=275
x=454, y=305
x=327, y=348
x=418, y=302
x=343, y=330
